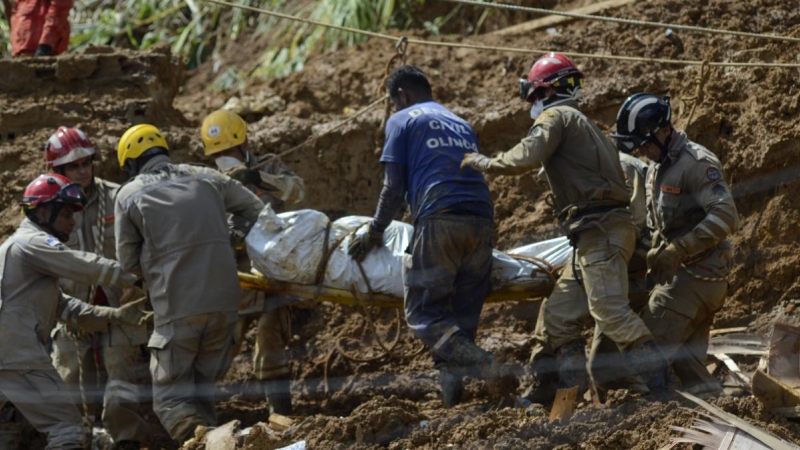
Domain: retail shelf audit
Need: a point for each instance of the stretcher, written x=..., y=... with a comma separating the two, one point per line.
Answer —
x=304, y=254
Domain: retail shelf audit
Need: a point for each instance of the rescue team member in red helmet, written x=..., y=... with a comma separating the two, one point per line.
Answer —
x=31, y=262
x=171, y=227
x=591, y=202
x=40, y=27
x=116, y=350
x=691, y=211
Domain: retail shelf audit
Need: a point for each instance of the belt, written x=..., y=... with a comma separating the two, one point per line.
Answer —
x=571, y=213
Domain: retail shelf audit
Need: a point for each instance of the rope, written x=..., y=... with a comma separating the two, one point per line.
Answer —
x=542, y=265
x=643, y=23
x=492, y=48
x=366, y=109
x=698, y=94
x=401, y=48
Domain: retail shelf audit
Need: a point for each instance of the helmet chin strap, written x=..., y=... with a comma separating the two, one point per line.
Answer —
x=557, y=98
x=663, y=147
x=55, y=210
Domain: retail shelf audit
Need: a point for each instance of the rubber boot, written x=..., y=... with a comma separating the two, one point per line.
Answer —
x=459, y=351
x=571, y=362
x=451, y=381
x=279, y=395
x=545, y=380
x=43, y=50
x=646, y=358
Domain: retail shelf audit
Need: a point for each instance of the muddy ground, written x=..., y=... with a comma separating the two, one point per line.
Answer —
x=747, y=116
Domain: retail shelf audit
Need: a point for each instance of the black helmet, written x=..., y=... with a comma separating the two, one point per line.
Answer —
x=638, y=120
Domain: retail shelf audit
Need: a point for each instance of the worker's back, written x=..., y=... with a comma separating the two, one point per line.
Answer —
x=171, y=226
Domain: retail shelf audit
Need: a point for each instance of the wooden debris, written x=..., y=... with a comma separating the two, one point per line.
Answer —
x=784, y=355
x=770, y=441
x=564, y=405
x=716, y=435
x=741, y=378
x=738, y=344
x=553, y=20
x=772, y=392
x=280, y=423
x=719, y=331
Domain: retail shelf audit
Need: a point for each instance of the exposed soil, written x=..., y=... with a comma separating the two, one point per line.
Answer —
x=749, y=117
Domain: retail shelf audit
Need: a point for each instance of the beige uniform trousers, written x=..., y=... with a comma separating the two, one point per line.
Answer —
x=188, y=357
x=124, y=367
x=42, y=397
x=270, y=358
x=602, y=254
x=680, y=315
x=570, y=315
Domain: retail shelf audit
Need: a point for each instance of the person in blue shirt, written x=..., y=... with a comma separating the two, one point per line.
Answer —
x=453, y=214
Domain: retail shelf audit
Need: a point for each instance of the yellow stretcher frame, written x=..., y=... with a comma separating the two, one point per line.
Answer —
x=517, y=292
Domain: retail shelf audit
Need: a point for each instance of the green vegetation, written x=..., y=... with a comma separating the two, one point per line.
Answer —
x=194, y=28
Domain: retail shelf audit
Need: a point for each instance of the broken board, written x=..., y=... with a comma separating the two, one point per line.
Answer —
x=564, y=405
x=553, y=20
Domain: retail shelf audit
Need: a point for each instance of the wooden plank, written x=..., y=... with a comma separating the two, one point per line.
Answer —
x=553, y=20
x=772, y=392
x=564, y=405
x=280, y=423
x=772, y=441
x=727, y=331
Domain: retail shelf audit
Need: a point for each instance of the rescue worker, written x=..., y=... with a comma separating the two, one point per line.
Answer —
x=567, y=313
x=116, y=351
x=591, y=202
x=447, y=279
x=31, y=262
x=171, y=227
x=224, y=135
x=40, y=27
x=691, y=212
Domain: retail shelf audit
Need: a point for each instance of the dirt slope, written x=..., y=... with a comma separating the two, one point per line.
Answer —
x=747, y=116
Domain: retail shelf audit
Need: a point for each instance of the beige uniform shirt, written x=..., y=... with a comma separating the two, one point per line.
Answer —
x=171, y=227
x=31, y=263
x=690, y=202
x=580, y=162
x=94, y=233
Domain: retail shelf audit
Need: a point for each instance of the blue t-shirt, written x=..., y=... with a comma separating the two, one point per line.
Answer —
x=431, y=141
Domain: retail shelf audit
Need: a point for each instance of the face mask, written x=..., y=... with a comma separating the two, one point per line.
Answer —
x=226, y=163
x=537, y=108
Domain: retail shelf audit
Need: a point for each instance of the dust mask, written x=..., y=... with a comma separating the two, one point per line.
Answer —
x=537, y=108
x=226, y=163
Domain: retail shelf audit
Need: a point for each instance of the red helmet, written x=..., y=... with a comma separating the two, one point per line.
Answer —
x=52, y=187
x=67, y=145
x=546, y=71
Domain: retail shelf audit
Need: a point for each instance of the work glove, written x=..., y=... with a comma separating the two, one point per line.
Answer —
x=246, y=176
x=663, y=262
x=132, y=313
x=476, y=161
x=362, y=244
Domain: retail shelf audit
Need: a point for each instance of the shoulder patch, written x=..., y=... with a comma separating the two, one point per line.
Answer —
x=713, y=174
x=719, y=190
x=52, y=242
x=670, y=189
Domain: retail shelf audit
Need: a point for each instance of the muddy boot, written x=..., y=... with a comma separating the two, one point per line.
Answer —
x=459, y=351
x=651, y=365
x=545, y=374
x=279, y=395
x=451, y=381
x=571, y=362
x=501, y=381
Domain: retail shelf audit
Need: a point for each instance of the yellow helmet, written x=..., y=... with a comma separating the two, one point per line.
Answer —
x=137, y=140
x=223, y=130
